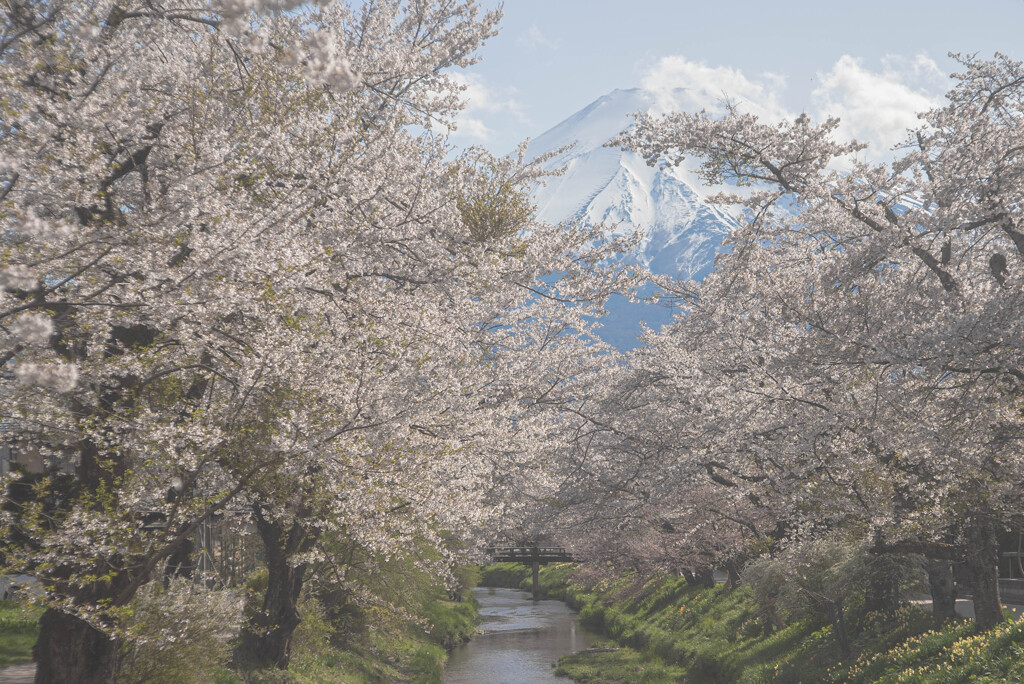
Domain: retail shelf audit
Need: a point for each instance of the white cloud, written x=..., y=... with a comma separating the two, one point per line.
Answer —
x=479, y=97
x=879, y=107
x=875, y=107
x=475, y=129
x=534, y=38
x=682, y=84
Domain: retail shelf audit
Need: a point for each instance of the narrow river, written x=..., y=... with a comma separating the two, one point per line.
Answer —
x=521, y=640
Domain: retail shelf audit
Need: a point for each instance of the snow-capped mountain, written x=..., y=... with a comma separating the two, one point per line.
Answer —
x=606, y=185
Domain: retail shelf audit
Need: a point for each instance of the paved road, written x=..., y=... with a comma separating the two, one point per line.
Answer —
x=19, y=674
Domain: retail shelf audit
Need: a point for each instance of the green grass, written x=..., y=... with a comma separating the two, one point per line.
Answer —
x=663, y=630
x=403, y=636
x=610, y=662
x=510, y=575
x=708, y=634
x=19, y=627
x=387, y=646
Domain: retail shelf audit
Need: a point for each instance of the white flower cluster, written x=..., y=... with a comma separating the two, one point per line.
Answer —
x=236, y=13
x=325, y=64
x=17, y=277
x=37, y=228
x=320, y=54
x=60, y=377
x=33, y=329
x=234, y=8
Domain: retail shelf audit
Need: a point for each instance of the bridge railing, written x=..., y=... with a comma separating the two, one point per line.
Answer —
x=530, y=553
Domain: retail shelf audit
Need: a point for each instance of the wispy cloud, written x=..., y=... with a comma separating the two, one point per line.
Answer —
x=680, y=83
x=481, y=97
x=474, y=129
x=534, y=38
x=482, y=102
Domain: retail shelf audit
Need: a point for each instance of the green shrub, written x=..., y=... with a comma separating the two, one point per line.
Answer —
x=312, y=638
x=177, y=635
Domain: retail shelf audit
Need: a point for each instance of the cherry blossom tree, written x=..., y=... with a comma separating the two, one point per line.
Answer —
x=242, y=277
x=866, y=320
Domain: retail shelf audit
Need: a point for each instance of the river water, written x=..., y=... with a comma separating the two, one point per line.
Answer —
x=521, y=640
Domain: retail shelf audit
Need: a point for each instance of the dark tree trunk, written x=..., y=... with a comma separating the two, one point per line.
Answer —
x=266, y=640
x=943, y=590
x=884, y=574
x=877, y=594
x=688, y=576
x=982, y=564
x=704, y=577
x=835, y=613
x=70, y=651
x=732, y=567
x=179, y=563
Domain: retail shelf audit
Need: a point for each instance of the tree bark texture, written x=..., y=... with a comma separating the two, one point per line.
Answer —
x=884, y=590
x=982, y=564
x=70, y=651
x=733, y=568
x=266, y=640
x=179, y=563
x=943, y=590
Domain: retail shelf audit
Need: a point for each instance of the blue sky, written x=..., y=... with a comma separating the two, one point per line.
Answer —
x=873, y=63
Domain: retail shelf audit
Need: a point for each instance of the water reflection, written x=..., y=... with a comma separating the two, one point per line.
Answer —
x=521, y=640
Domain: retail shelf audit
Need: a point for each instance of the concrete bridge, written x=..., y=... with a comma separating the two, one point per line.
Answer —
x=532, y=555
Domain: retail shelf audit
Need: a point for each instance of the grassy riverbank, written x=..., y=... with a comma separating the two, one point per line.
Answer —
x=663, y=630
x=405, y=639
x=385, y=645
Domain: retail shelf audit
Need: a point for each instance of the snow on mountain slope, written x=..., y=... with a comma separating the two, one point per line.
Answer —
x=682, y=232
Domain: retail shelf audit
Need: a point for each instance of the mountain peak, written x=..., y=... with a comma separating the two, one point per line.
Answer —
x=595, y=124
x=682, y=232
